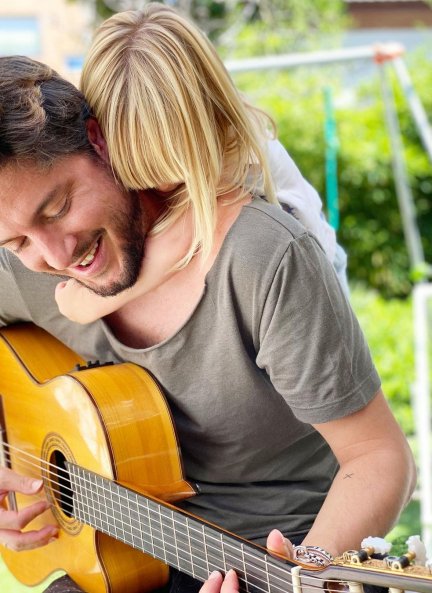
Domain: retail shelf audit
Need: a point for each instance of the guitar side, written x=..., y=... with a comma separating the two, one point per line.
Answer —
x=112, y=420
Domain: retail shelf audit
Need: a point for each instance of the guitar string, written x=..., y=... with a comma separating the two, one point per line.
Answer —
x=148, y=510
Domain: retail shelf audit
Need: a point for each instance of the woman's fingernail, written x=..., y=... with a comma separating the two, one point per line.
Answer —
x=215, y=575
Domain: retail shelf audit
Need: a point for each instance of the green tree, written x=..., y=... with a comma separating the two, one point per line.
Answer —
x=293, y=21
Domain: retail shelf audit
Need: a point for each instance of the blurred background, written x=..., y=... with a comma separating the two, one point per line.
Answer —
x=355, y=116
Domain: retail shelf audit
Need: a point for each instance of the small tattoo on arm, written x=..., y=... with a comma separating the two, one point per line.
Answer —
x=348, y=476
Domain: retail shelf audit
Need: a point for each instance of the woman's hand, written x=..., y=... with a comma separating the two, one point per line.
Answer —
x=216, y=583
x=79, y=304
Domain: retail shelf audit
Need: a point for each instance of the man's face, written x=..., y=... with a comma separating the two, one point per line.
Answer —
x=73, y=220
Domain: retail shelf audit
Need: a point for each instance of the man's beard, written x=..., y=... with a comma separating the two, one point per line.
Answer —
x=131, y=228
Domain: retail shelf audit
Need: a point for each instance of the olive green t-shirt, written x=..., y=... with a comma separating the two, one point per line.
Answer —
x=271, y=347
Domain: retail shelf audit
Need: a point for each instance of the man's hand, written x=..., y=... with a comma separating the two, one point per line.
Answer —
x=276, y=543
x=280, y=545
x=12, y=522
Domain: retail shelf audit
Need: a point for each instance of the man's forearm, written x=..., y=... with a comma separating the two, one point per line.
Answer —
x=366, y=498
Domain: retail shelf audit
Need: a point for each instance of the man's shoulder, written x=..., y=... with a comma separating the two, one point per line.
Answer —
x=267, y=229
x=260, y=238
x=270, y=219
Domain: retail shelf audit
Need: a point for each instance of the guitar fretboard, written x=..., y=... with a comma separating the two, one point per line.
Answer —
x=179, y=540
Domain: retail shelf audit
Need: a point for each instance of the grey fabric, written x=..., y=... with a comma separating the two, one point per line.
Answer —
x=63, y=585
x=271, y=347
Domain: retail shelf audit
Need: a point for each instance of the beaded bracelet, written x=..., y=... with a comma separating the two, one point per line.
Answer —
x=312, y=555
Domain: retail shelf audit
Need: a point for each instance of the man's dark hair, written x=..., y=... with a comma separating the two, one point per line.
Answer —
x=42, y=116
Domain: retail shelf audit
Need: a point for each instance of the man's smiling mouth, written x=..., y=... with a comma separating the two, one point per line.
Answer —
x=88, y=260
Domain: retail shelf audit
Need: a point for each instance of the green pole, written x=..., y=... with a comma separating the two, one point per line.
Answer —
x=331, y=150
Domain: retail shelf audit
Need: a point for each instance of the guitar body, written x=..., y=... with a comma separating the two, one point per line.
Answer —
x=112, y=420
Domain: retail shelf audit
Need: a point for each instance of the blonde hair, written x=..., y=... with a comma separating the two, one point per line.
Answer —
x=170, y=113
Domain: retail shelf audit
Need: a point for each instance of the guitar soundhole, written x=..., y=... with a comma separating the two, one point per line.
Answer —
x=62, y=490
x=58, y=486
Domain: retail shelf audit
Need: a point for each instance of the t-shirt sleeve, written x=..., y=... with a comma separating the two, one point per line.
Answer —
x=310, y=344
x=12, y=305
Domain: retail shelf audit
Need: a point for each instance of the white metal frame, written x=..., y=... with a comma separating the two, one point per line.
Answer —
x=422, y=298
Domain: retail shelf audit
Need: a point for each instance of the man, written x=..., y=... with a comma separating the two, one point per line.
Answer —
x=278, y=408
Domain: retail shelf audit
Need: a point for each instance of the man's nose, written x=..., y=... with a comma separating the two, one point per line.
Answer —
x=53, y=250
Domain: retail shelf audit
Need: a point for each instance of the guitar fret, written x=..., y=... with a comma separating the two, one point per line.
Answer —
x=100, y=494
x=162, y=537
x=97, y=506
x=205, y=549
x=245, y=575
x=127, y=523
x=267, y=574
x=224, y=564
x=277, y=575
x=168, y=539
x=156, y=535
x=189, y=547
x=117, y=523
x=136, y=532
x=184, y=555
x=175, y=540
x=143, y=505
x=144, y=528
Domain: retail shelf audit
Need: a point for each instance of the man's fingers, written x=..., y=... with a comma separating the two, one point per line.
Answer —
x=19, y=519
x=28, y=540
x=280, y=545
x=11, y=481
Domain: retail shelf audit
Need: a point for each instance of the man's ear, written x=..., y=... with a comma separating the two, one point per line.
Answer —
x=96, y=138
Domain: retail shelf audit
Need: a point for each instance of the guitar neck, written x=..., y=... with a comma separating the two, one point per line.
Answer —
x=197, y=548
x=172, y=535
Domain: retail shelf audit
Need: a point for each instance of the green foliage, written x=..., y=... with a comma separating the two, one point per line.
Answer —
x=281, y=26
x=408, y=524
x=388, y=327
x=371, y=227
x=294, y=22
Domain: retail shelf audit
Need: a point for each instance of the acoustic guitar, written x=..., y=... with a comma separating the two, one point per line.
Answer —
x=102, y=439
